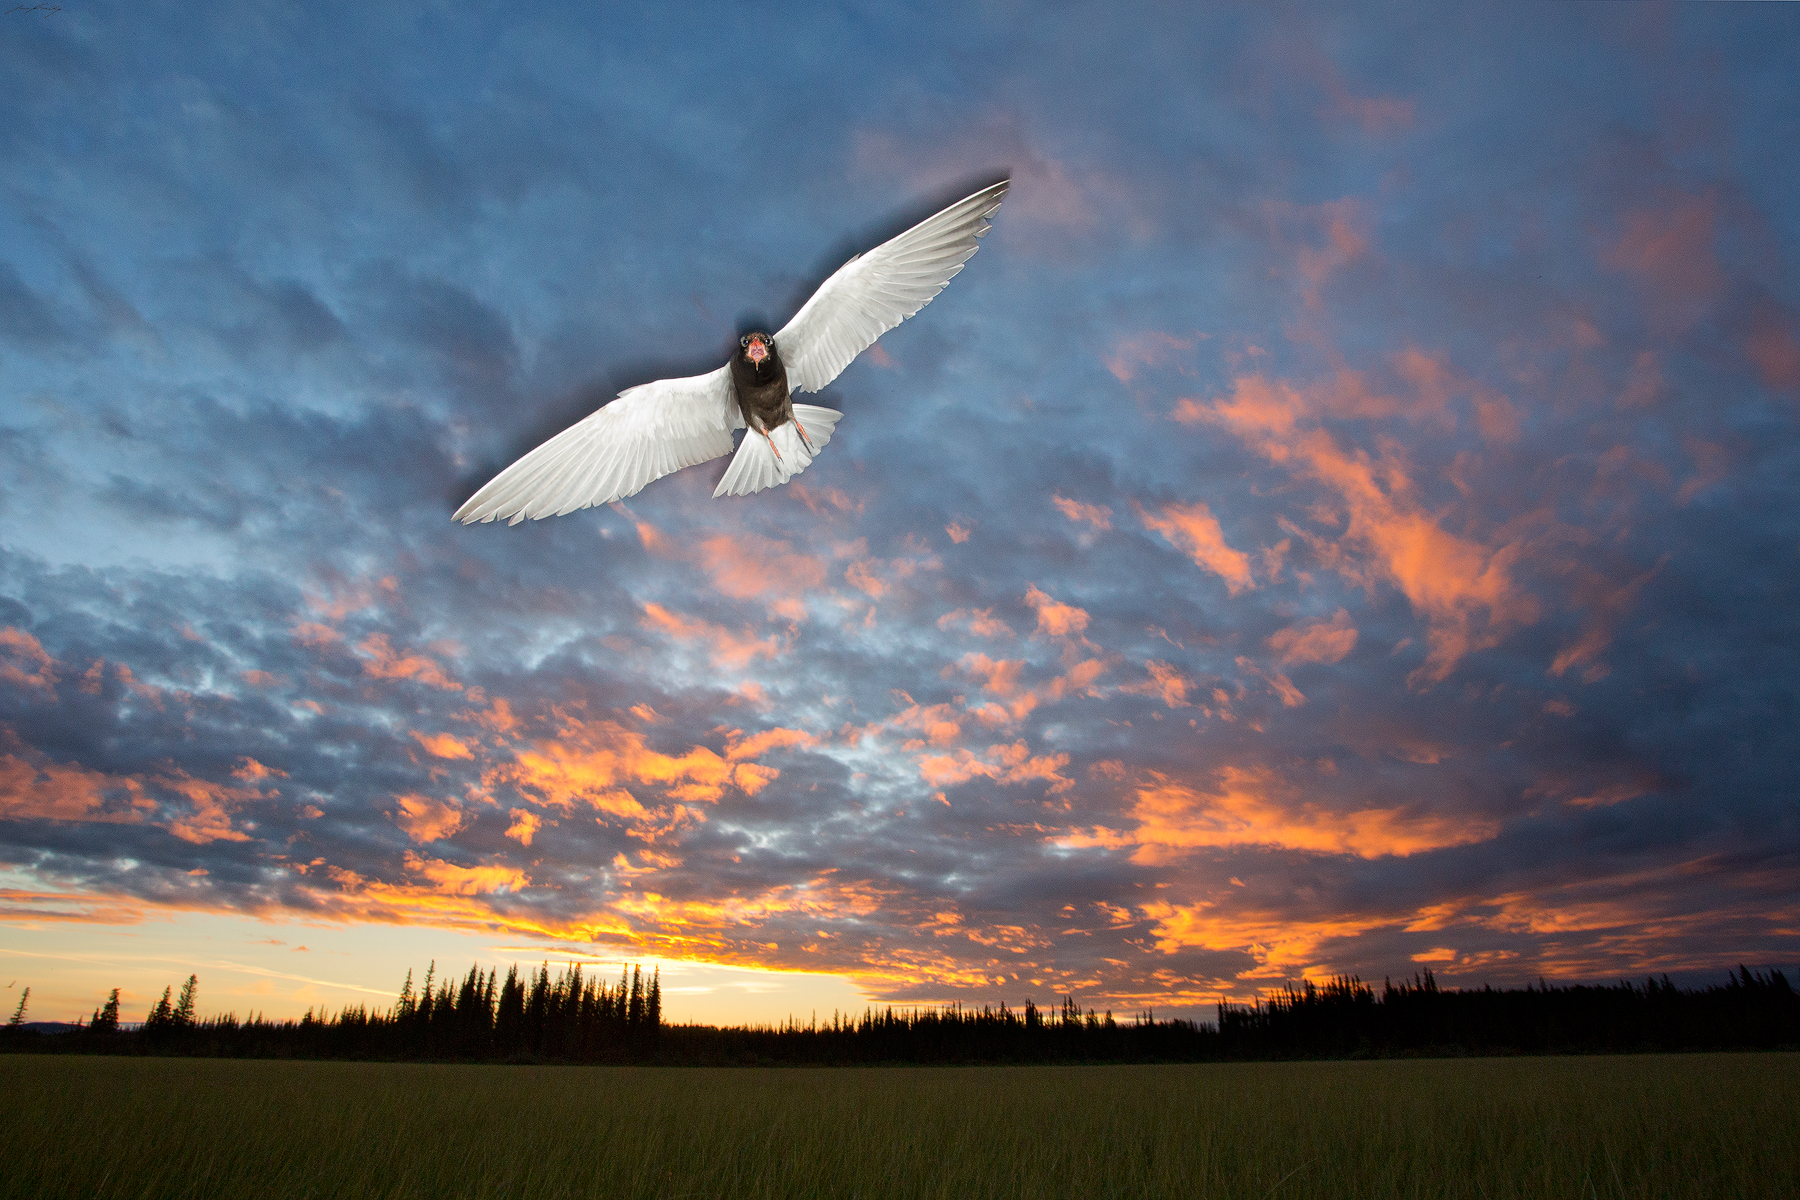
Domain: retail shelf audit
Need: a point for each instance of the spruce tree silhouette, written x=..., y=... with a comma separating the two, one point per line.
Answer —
x=183, y=1017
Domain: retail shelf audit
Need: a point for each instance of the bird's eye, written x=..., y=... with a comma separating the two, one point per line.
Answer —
x=744, y=341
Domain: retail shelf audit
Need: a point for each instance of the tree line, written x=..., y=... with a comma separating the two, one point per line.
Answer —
x=574, y=1018
x=571, y=1018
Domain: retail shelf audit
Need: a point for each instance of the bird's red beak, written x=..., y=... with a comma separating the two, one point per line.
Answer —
x=756, y=351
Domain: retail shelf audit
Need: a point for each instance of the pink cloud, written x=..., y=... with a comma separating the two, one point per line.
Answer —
x=729, y=651
x=1318, y=641
x=1192, y=529
x=1097, y=515
x=1669, y=249
x=1149, y=349
x=1054, y=618
x=24, y=662
x=382, y=661
x=747, y=565
x=1465, y=590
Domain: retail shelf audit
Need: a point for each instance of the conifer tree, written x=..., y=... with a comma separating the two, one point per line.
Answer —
x=634, y=1015
x=162, y=1015
x=184, y=1008
x=106, y=1018
x=408, y=1001
x=18, y=1017
x=655, y=1001
x=509, y=1015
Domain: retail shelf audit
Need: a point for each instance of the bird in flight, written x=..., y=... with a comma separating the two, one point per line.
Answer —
x=657, y=428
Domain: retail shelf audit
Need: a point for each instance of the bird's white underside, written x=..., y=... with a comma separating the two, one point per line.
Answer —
x=658, y=428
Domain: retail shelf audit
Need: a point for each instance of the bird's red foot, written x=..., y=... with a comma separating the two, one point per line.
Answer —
x=772, y=445
x=803, y=437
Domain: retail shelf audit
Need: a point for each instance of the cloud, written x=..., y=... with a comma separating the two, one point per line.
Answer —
x=426, y=819
x=1669, y=249
x=443, y=745
x=1004, y=764
x=1192, y=529
x=1255, y=806
x=1054, y=618
x=382, y=661
x=731, y=652
x=1149, y=349
x=1097, y=515
x=23, y=662
x=1465, y=590
x=1317, y=641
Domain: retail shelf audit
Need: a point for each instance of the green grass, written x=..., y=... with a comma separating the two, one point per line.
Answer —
x=1717, y=1125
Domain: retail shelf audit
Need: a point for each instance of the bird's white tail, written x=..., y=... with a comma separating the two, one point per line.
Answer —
x=756, y=465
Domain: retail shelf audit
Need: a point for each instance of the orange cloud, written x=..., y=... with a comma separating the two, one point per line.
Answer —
x=24, y=662
x=1281, y=945
x=1255, y=807
x=1193, y=530
x=981, y=622
x=746, y=565
x=741, y=747
x=250, y=771
x=941, y=724
x=999, y=676
x=210, y=817
x=1319, y=641
x=1097, y=515
x=1283, y=687
x=33, y=788
x=426, y=819
x=525, y=825
x=1055, y=619
x=382, y=661
x=1464, y=590
x=442, y=745
x=1166, y=681
x=1003, y=764
x=593, y=765
x=465, y=881
x=732, y=652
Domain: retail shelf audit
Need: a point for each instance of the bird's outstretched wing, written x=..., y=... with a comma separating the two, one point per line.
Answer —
x=874, y=292
x=756, y=466
x=649, y=431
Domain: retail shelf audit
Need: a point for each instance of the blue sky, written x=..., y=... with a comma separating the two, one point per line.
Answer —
x=1342, y=521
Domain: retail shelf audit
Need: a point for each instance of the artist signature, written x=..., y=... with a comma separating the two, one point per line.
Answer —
x=49, y=10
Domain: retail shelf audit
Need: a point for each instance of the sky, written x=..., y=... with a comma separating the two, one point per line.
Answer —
x=1345, y=520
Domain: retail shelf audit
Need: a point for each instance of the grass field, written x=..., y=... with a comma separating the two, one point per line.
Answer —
x=1717, y=1125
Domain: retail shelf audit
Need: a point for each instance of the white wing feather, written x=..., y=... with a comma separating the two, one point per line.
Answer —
x=648, y=432
x=755, y=466
x=874, y=292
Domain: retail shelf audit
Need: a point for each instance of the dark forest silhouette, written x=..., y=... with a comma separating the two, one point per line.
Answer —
x=574, y=1018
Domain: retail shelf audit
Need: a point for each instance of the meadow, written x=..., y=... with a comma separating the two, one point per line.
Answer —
x=1699, y=1125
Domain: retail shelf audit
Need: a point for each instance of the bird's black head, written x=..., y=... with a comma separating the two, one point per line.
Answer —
x=757, y=347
